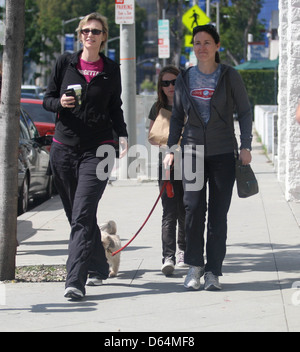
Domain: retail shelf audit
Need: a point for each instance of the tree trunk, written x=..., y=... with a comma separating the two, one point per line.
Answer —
x=9, y=134
x=178, y=34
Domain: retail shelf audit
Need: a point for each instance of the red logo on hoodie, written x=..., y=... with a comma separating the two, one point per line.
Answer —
x=203, y=93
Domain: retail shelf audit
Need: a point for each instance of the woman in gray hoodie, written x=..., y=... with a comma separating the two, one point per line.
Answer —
x=205, y=98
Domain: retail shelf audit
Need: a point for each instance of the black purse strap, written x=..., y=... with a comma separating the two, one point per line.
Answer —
x=231, y=106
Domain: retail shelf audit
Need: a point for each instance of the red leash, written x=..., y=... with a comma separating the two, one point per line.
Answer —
x=168, y=185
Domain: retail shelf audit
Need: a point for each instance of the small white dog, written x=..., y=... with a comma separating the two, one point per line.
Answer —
x=111, y=243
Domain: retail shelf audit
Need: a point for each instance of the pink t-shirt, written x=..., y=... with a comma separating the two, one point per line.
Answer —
x=90, y=69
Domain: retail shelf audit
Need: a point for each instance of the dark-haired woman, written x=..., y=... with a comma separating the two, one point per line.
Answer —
x=207, y=94
x=173, y=209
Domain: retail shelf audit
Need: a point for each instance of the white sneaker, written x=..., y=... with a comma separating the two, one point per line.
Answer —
x=192, y=281
x=94, y=281
x=211, y=282
x=168, y=267
x=180, y=259
x=73, y=293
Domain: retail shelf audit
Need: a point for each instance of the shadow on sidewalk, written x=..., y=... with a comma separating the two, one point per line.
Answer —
x=262, y=257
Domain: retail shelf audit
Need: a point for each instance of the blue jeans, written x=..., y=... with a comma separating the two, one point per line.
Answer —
x=75, y=178
x=219, y=178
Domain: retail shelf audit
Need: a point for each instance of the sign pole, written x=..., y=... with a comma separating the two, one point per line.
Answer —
x=128, y=74
x=208, y=8
x=125, y=16
x=164, y=17
x=164, y=39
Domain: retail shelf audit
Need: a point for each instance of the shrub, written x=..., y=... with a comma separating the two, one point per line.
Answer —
x=262, y=86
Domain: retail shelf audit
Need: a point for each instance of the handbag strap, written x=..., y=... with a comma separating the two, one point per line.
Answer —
x=231, y=105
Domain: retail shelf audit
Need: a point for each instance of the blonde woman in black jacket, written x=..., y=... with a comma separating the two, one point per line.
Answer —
x=206, y=95
x=82, y=126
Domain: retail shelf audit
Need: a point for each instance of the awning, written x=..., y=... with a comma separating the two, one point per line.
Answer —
x=258, y=65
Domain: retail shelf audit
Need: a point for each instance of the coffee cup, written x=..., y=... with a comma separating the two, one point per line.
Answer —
x=77, y=89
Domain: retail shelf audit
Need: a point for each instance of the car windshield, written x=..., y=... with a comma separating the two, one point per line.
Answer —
x=38, y=113
x=28, y=90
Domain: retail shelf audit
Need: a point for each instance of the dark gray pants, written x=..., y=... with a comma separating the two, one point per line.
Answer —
x=173, y=216
x=75, y=178
x=219, y=176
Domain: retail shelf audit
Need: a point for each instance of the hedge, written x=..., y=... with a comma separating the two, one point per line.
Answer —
x=261, y=85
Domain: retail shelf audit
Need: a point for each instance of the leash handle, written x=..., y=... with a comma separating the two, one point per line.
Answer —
x=169, y=186
x=148, y=217
x=170, y=189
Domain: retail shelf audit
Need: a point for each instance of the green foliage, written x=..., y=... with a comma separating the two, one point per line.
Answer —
x=236, y=22
x=261, y=86
x=44, y=25
x=43, y=20
x=33, y=45
x=148, y=86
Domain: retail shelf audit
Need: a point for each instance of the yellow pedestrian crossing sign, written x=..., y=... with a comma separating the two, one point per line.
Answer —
x=188, y=40
x=194, y=17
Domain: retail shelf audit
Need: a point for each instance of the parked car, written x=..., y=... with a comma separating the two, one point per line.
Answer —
x=44, y=120
x=34, y=179
x=31, y=91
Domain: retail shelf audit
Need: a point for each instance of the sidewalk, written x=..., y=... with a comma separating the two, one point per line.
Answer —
x=261, y=266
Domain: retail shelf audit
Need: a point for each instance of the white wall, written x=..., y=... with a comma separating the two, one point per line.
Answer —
x=289, y=93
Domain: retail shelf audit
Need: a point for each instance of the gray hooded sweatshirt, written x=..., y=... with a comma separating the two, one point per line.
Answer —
x=217, y=135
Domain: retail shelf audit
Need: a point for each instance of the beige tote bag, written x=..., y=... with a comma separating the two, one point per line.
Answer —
x=161, y=127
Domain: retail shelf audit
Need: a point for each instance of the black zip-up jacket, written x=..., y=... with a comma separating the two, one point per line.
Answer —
x=217, y=135
x=100, y=112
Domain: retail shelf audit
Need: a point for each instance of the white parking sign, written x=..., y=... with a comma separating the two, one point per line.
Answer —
x=163, y=39
x=125, y=11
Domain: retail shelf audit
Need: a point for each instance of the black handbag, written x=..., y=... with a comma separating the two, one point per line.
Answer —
x=246, y=181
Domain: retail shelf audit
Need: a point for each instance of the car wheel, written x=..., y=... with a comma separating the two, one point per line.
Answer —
x=23, y=200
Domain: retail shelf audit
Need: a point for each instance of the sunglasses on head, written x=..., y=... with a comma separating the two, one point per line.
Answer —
x=94, y=31
x=167, y=83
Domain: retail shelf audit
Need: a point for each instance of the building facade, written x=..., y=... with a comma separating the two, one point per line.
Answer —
x=288, y=97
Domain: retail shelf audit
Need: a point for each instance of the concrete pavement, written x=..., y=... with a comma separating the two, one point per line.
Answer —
x=261, y=282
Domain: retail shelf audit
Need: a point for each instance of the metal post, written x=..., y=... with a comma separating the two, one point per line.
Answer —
x=128, y=75
x=62, y=39
x=217, y=6
x=218, y=16
x=164, y=17
x=208, y=8
x=109, y=41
